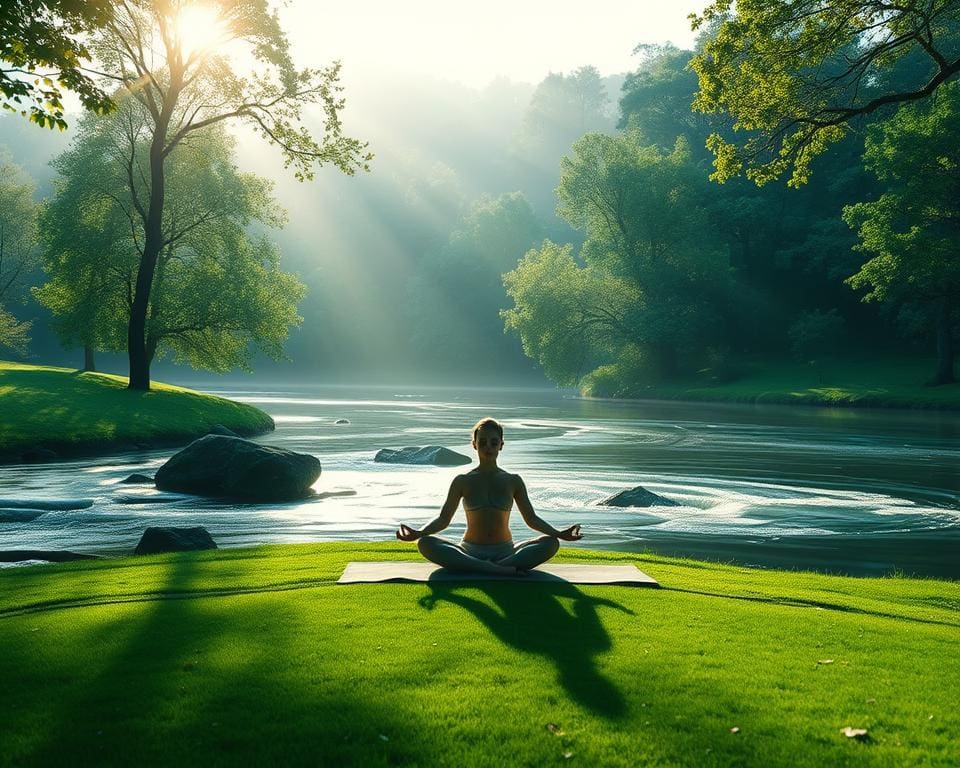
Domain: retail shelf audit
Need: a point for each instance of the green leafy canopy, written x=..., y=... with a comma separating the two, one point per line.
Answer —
x=794, y=74
x=43, y=50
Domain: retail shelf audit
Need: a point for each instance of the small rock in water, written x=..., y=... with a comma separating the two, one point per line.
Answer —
x=137, y=479
x=638, y=497
x=342, y=421
x=434, y=455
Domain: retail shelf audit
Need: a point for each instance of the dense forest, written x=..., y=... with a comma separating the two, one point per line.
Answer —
x=589, y=229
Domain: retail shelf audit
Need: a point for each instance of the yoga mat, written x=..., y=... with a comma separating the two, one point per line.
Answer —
x=622, y=575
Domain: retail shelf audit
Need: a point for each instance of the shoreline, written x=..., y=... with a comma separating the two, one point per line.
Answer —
x=775, y=400
x=884, y=384
x=93, y=449
x=738, y=554
x=53, y=414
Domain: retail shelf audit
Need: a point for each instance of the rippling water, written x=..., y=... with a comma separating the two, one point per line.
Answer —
x=833, y=489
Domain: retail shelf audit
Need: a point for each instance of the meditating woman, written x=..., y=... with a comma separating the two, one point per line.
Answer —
x=488, y=494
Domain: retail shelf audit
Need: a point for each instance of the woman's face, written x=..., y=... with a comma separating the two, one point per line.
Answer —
x=488, y=443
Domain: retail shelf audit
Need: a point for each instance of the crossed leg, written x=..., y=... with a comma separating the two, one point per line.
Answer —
x=532, y=552
x=526, y=555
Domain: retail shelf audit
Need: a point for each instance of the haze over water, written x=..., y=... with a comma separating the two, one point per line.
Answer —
x=861, y=492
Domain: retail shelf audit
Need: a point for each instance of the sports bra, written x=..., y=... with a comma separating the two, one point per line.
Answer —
x=487, y=496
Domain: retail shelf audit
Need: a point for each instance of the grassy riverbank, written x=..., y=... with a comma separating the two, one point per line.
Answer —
x=72, y=413
x=896, y=383
x=257, y=656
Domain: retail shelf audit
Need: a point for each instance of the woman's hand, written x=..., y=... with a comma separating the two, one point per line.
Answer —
x=570, y=534
x=406, y=533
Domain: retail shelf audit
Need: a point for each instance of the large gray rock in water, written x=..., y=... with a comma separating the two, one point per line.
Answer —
x=157, y=540
x=216, y=465
x=434, y=455
x=638, y=497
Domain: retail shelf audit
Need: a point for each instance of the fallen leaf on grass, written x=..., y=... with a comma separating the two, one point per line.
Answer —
x=555, y=729
x=855, y=733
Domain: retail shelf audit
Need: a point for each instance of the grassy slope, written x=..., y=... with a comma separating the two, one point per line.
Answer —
x=256, y=655
x=890, y=384
x=69, y=411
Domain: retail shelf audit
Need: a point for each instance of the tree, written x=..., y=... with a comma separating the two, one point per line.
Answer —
x=566, y=105
x=561, y=110
x=456, y=293
x=569, y=317
x=790, y=247
x=217, y=289
x=13, y=332
x=795, y=74
x=649, y=285
x=642, y=210
x=913, y=228
x=42, y=54
x=88, y=243
x=192, y=65
x=17, y=249
x=656, y=98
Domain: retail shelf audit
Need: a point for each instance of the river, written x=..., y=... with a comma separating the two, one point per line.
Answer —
x=862, y=492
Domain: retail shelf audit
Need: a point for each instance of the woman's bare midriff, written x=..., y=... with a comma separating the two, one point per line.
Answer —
x=488, y=525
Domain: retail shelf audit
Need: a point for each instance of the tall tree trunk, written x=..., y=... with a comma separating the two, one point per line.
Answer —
x=88, y=363
x=946, y=350
x=152, y=245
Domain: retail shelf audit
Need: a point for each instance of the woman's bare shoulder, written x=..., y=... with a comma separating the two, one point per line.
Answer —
x=515, y=480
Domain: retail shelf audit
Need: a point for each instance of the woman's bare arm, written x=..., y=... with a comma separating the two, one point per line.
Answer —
x=442, y=520
x=536, y=522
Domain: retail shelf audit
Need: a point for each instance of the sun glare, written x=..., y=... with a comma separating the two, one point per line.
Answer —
x=200, y=29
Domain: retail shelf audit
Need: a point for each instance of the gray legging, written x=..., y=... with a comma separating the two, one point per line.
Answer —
x=479, y=557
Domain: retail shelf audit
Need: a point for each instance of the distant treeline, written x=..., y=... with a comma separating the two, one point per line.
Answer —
x=568, y=229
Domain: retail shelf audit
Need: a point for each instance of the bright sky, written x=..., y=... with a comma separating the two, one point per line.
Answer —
x=473, y=43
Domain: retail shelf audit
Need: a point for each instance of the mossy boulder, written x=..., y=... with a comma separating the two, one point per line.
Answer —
x=231, y=467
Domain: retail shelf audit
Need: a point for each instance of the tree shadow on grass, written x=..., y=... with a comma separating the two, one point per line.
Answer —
x=532, y=619
x=186, y=675
x=799, y=602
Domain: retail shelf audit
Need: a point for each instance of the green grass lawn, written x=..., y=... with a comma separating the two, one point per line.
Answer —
x=256, y=656
x=895, y=383
x=72, y=412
